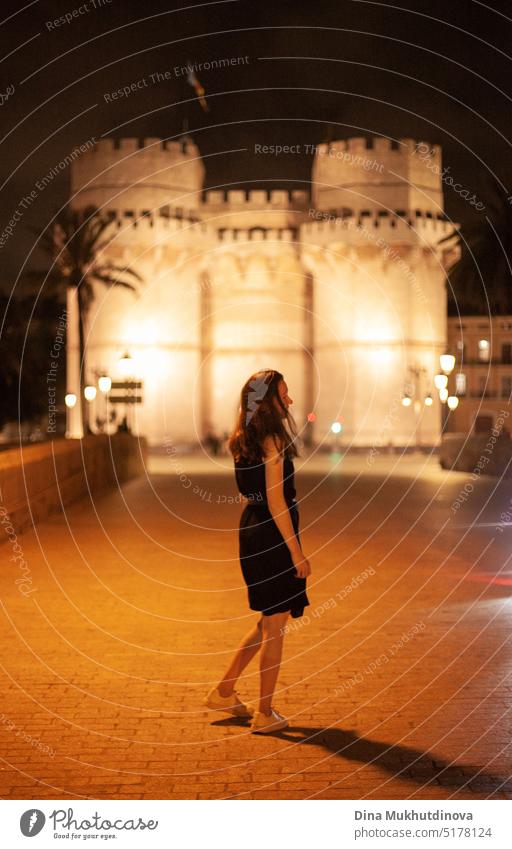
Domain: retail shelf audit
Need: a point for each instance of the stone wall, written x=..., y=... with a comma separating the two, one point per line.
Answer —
x=485, y=454
x=36, y=480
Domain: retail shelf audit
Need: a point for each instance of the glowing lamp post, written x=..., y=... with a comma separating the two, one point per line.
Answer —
x=336, y=428
x=104, y=384
x=103, y=417
x=126, y=365
x=447, y=362
x=413, y=391
x=126, y=368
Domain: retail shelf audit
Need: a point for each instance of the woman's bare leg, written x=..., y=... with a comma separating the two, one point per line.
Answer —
x=249, y=646
x=270, y=658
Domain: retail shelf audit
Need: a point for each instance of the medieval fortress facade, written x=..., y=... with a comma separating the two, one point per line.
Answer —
x=342, y=287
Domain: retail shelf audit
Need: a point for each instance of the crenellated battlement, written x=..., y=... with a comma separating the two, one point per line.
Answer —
x=413, y=226
x=138, y=174
x=380, y=146
x=114, y=147
x=257, y=234
x=383, y=216
x=165, y=217
x=235, y=199
x=378, y=172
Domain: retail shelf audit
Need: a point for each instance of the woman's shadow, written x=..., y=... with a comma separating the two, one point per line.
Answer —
x=403, y=761
x=400, y=761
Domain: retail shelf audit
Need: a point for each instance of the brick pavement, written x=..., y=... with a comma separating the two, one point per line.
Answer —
x=399, y=688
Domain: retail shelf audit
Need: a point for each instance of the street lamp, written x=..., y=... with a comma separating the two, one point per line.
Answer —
x=104, y=383
x=414, y=390
x=104, y=417
x=126, y=369
x=336, y=428
x=447, y=362
x=126, y=364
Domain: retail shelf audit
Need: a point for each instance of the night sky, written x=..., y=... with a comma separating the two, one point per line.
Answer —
x=430, y=70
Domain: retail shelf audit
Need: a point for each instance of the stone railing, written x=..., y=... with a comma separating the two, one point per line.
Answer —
x=36, y=480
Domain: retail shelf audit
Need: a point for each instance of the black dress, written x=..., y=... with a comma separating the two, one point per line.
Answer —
x=265, y=558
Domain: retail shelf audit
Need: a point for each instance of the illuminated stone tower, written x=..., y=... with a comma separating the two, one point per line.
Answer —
x=152, y=191
x=372, y=246
x=342, y=293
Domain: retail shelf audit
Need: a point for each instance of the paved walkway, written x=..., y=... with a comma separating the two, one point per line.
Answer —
x=398, y=683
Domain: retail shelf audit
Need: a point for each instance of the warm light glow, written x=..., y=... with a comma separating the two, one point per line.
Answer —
x=443, y=395
x=126, y=365
x=460, y=383
x=336, y=427
x=406, y=401
x=105, y=383
x=383, y=357
x=140, y=333
x=70, y=400
x=90, y=393
x=440, y=381
x=447, y=362
x=453, y=402
x=311, y=417
x=428, y=401
x=484, y=350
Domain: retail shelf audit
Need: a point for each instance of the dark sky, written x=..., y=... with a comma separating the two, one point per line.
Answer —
x=422, y=68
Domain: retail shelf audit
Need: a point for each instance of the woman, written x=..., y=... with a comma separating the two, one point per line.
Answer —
x=273, y=565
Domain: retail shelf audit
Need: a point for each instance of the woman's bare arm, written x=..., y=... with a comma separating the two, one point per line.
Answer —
x=278, y=507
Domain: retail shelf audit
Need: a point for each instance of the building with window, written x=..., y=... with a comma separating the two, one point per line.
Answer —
x=482, y=376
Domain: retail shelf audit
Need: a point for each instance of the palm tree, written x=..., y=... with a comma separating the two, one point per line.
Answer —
x=74, y=242
x=481, y=281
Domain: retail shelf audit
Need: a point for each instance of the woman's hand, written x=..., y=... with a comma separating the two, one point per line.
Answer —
x=302, y=565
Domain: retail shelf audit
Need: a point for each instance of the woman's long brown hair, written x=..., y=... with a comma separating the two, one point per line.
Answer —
x=259, y=417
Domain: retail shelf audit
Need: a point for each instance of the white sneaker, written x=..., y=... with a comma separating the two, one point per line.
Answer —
x=263, y=724
x=229, y=704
